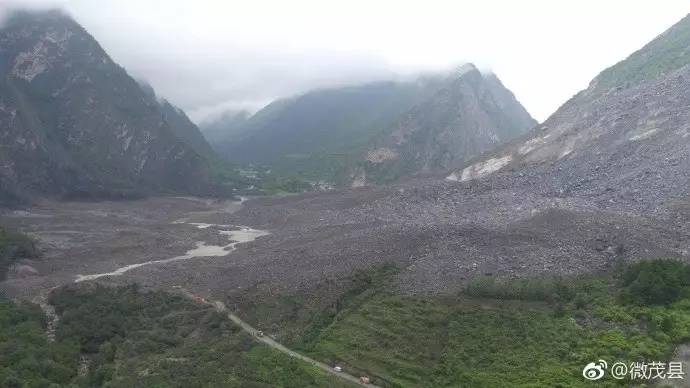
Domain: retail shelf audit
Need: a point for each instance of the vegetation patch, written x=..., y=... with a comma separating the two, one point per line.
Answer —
x=664, y=54
x=14, y=246
x=27, y=359
x=127, y=337
x=297, y=320
x=536, y=333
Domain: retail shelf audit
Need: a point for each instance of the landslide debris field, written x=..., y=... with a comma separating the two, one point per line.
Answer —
x=437, y=234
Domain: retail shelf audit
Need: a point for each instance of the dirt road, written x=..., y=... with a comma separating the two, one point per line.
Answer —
x=257, y=335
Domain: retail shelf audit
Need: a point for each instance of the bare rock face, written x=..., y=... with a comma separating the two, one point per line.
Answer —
x=472, y=113
x=74, y=123
x=627, y=134
x=640, y=128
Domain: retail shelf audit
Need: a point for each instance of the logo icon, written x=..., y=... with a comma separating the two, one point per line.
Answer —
x=595, y=370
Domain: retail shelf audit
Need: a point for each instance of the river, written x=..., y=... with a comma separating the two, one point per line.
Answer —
x=236, y=235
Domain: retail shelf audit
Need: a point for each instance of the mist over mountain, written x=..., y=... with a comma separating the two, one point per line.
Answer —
x=382, y=130
x=179, y=123
x=74, y=123
x=472, y=113
x=318, y=133
x=227, y=126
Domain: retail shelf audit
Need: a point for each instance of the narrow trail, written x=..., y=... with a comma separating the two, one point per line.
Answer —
x=221, y=308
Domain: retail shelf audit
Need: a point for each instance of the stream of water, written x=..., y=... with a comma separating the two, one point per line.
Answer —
x=235, y=236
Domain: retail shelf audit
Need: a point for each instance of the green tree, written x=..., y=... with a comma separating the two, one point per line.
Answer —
x=655, y=282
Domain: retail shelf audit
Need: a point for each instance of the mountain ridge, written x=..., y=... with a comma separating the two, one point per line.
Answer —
x=76, y=124
x=643, y=109
x=327, y=134
x=470, y=114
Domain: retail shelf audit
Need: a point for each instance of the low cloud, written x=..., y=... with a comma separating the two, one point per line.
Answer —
x=209, y=55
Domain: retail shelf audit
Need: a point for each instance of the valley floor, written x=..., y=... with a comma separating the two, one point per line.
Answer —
x=402, y=253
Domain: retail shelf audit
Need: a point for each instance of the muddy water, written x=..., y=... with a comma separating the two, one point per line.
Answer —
x=235, y=236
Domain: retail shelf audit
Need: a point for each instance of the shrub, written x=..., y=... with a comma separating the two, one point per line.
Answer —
x=655, y=282
x=14, y=246
x=548, y=290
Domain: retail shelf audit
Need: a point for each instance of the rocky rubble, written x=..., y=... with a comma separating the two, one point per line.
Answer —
x=606, y=178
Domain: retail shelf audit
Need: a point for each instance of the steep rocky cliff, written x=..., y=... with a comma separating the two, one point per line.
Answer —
x=471, y=114
x=74, y=123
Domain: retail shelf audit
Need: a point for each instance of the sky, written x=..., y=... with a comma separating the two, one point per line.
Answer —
x=209, y=56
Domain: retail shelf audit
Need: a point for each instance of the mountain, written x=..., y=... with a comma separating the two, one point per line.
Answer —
x=226, y=127
x=185, y=129
x=319, y=132
x=74, y=123
x=603, y=181
x=472, y=113
x=429, y=124
x=625, y=138
x=180, y=124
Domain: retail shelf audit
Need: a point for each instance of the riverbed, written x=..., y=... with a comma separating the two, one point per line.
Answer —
x=121, y=240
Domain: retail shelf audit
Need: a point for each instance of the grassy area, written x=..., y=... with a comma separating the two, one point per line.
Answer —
x=277, y=185
x=267, y=180
x=136, y=338
x=296, y=320
x=364, y=286
x=537, y=333
x=666, y=53
x=398, y=340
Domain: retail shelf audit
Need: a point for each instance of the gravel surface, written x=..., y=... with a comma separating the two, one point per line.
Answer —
x=620, y=191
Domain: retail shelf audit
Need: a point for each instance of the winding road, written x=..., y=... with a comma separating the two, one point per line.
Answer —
x=220, y=307
x=236, y=235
